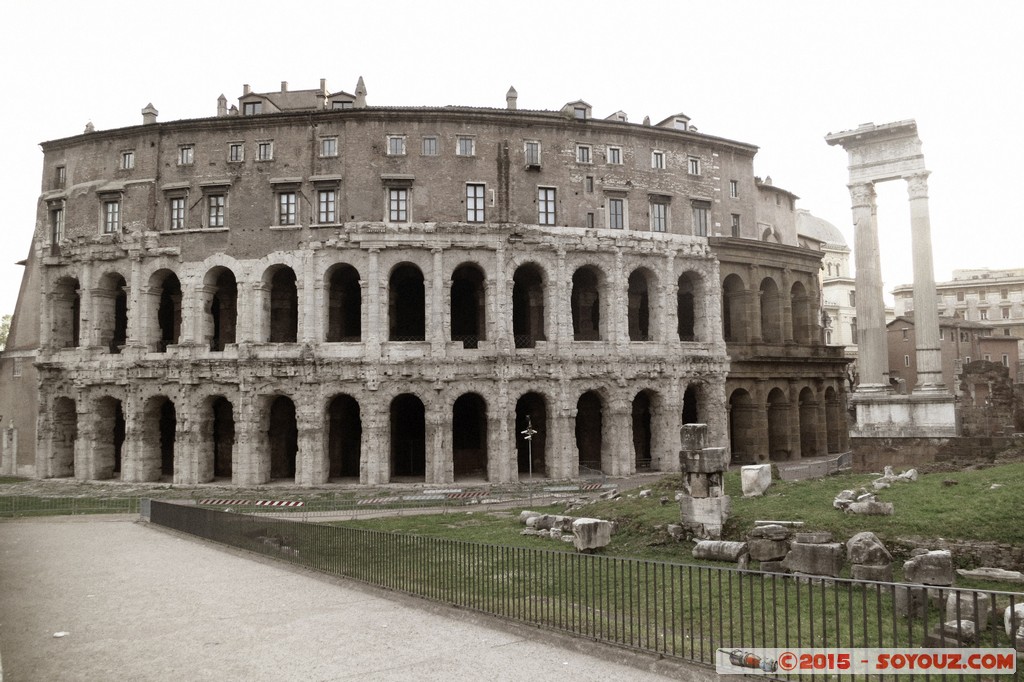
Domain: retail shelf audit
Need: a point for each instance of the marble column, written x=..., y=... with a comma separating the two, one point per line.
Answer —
x=873, y=356
x=926, y=313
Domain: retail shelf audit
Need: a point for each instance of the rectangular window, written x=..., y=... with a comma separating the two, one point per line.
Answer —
x=1006, y=313
x=734, y=189
x=264, y=151
x=590, y=220
x=616, y=213
x=942, y=334
x=396, y=145
x=853, y=330
x=546, y=205
x=57, y=225
x=905, y=337
x=658, y=160
x=475, y=203
x=735, y=225
x=286, y=208
x=177, y=213
x=236, y=152
x=329, y=146
x=615, y=156
x=659, y=217
x=960, y=296
x=60, y=175
x=1004, y=294
x=429, y=146
x=127, y=159
x=111, y=216
x=398, y=205
x=466, y=146
x=988, y=357
x=532, y=151
x=186, y=155
x=588, y=184
x=341, y=105
x=326, y=202
x=582, y=153
x=252, y=108
x=693, y=165
x=853, y=299
x=16, y=367
x=906, y=361
x=700, y=218
x=215, y=204
x=579, y=112
x=1006, y=360
x=967, y=360
x=984, y=313
x=1006, y=332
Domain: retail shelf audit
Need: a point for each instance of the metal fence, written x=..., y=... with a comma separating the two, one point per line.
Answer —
x=27, y=505
x=674, y=610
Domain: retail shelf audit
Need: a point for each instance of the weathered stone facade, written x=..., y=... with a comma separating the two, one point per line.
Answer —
x=388, y=294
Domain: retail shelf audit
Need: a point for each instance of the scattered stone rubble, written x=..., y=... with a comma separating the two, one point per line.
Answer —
x=869, y=558
x=586, y=534
x=755, y=479
x=861, y=502
x=888, y=478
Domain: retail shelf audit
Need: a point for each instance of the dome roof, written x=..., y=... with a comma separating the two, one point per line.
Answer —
x=808, y=225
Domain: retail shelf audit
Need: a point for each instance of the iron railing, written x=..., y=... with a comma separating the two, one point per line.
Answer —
x=673, y=610
x=28, y=505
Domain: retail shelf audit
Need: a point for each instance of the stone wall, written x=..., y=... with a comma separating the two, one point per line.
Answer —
x=973, y=553
x=873, y=454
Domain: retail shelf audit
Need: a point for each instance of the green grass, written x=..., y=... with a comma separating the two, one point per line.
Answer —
x=4, y=480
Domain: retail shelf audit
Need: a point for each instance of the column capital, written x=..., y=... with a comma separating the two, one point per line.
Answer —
x=917, y=184
x=863, y=194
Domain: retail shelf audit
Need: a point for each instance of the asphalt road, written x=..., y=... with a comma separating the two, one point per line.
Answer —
x=142, y=603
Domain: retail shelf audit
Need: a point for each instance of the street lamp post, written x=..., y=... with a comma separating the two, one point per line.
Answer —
x=528, y=434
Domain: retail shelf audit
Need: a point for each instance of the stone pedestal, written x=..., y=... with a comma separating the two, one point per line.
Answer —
x=881, y=415
x=703, y=506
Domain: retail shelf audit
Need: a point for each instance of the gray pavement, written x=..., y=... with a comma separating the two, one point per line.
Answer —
x=142, y=603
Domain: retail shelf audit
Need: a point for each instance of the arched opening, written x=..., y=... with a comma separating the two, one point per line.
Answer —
x=734, y=324
x=800, y=306
x=406, y=304
x=344, y=304
x=771, y=315
x=284, y=306
x=834, y=425
x=344, y=437
x=532, y=412
x=642, y=431
x=527, y=306
x=742, y=436
x=468, y=305
x=641, y=282
x=778, y=426
x=66, y=313
x=686, y=312
x=168, y=314
x=282, y=438
x=469, y=436
x=691, y=413
x=109, y=437
x=159, y=429
x=110, y=301
x=586, y=304
x=222, y=308
x=408, y=437
x=589, y=431
x=64, y=435
x=808, y=424
x=222, y=436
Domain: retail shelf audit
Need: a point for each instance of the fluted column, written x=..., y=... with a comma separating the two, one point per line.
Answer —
x=873, y=356
x=926, y=312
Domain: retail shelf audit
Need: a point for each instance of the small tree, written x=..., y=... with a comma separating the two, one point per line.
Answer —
x=5, y=327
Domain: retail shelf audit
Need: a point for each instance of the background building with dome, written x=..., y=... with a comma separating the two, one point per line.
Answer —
x=307, y=288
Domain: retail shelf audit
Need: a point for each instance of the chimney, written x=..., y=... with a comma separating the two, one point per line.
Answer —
x=360, y=94
x=284, y=86
x=149, y=114
x=90, y=128
x=246, y=90
x=222, y=105
x=323, y=85
x=510, y=98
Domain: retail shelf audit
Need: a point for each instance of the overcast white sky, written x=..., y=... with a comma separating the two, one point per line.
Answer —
x=780, y=75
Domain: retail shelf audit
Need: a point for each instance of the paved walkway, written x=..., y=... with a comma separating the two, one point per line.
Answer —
x=142, y=603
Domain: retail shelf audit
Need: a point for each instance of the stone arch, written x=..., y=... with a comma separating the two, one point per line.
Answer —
x=532, y=410
x=469, y=436
x=217, y=435
x=803, y=315
x=108, y=436
x=642, y=288
x=528, y=285
x=590, y=430
x=406, y=304
x=468, y=305
x=809, y=426
x=771, y=311
x=742, y=430
x=165, y=325
x=220, y=307
x=779, y=448
x=588, y=322
x=66, y=313
x=159, y=434
x=344, y=437
x=642, y=413
x=281, y=304
x=408, y=437
x=110, y=305
x=344, y=304
x=282, y=437
x=64, y=433
x=834, y=424
x=690, y=302
x=735, y=326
